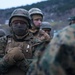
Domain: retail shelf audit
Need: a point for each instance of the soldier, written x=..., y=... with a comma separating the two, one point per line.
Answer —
x=71, y=20
x=18, y=46
x=36, y=19
x=21, y=46
x=58, y=58
x=46, y=27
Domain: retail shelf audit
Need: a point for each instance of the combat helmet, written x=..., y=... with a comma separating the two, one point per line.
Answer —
x=71, y=20
x=34, y=11
x=20, y=13
x=46, y=25
x=2, y=33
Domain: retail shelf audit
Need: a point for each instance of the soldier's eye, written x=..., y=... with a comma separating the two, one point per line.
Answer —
x=19, y=22
x=38, y=19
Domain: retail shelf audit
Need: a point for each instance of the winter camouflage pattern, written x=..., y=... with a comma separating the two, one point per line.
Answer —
x=59, y=56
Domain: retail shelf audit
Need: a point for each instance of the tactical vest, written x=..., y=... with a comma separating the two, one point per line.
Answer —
x=26, y=46
x=30, y=46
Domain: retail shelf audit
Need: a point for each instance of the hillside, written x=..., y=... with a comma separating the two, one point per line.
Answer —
x=54, y=10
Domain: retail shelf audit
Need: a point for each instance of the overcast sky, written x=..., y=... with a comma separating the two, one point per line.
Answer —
x=14, y=3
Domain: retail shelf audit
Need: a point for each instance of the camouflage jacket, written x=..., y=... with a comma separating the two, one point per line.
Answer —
x=30, y=46
x=59, y=56
x=40, y=34
x=3, y=42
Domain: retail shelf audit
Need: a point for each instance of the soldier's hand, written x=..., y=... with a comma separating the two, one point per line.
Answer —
x=13, y=55
x=17, y=54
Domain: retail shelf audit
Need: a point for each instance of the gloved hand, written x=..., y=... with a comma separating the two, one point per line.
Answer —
x=23, y=65
x=13, y=55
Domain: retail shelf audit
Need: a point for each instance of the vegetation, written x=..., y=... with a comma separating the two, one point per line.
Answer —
x=55, y=11
x=50, y=6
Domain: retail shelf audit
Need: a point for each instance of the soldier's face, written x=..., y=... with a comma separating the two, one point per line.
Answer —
x=37, y=20
x=19, y=26
x=19, y=20
x=19, y=23
x=47, y=31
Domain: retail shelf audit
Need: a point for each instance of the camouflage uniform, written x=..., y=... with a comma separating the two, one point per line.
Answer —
x=21, y=45
x=36, y=30
x=58, y=58
x=3, y=41
x=39, y=34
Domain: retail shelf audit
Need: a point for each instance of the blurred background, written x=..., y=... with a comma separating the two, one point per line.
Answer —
x=56, y=12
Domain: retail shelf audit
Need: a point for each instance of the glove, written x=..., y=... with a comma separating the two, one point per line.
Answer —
x=13, y=55
x=4, y=66
x=23, y=65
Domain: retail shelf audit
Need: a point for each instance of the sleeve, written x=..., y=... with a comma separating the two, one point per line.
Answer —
x=13, y=56
x=4, y=66
x=3, y=43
